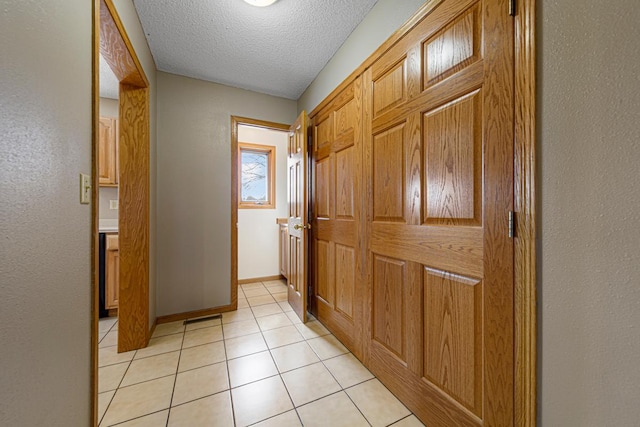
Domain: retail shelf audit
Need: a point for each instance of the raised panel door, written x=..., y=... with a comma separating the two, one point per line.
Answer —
x=297, y=223
x=439, y=174
x=337, y=292
x=107, y=151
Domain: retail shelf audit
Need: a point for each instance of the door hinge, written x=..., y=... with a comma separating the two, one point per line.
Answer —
x=512, y=7
x=512, y=224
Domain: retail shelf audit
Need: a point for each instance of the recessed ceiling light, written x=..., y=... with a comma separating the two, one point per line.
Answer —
x=261, y=3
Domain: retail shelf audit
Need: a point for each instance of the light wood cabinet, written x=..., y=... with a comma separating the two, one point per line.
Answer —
x=284, y=252
x=112, y=286
x=108, y=152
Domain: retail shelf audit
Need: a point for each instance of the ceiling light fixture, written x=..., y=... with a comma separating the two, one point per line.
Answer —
x=260, y=3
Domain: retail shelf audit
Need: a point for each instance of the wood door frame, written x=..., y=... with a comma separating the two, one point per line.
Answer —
x=525, y=203
x=237, y=121
x=134, y=214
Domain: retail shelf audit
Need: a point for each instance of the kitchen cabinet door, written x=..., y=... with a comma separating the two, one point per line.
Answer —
x=108, y=152
x=113, y=267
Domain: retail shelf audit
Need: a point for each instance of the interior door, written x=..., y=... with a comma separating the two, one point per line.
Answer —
x=298, y=225
x=337, y=217
x=439, y=159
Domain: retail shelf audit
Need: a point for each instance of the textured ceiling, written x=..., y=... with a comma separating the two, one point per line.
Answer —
x=277, y=50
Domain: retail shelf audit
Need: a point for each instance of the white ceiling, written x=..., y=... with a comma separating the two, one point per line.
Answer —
x=277, y=50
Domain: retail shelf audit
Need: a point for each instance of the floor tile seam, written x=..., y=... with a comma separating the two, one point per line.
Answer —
x=226, y=361
x=315, y=400
x=266, y=315
x=116, y=390
x=138, y=417
x=393, y=394
x=116, y=363
x=199, y=367
x=401, y=419
x=299, y=367
x=371, y=379
x=175, y=380
x=108, y=404
x=198, y=345
x=343, y=389
x=357, y=407
x=167, y=335
x=283, y=345
x=226, y=390
x=283, y=383
x=248, y=354
x=273, y=416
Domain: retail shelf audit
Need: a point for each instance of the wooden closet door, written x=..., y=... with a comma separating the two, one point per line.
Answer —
x=439, y=168
x=297, y=202
x=338, y=295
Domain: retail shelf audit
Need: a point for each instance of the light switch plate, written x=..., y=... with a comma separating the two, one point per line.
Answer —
x=85, y=189
x=113, y=204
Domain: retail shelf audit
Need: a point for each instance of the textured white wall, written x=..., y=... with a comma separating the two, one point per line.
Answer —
x=194, y=186
x=381, y=21
x=45, y=269
x=258, y=233
x=131, y=22
x=589, y=152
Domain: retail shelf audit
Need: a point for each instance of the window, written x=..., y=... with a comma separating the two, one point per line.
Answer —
x=257, y=176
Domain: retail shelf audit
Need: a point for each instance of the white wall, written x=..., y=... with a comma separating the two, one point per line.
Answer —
x=45, y=268
x=384, y=18
x=194, y=186
x=131, y=22
x=258, y=237
x=589, y=157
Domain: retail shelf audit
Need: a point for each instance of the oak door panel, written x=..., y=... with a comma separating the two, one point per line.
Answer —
x=453, y=336
x=325, y=288
x=439, y=172
x=389, y=278
x=336, y=212
x=453, y=47
x=453, y=161
x=108, y=151
x=345, y=266
x=388, y=175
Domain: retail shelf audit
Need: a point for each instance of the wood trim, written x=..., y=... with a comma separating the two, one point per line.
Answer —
x=260, y=279
x=117, y=49
x=133, y=218
x=525, y=208
x=235, y=122
x=261, y=123
x=134, y=194
x=270, y=150
x=414, y=20
x=95, y=252
x=196, y=313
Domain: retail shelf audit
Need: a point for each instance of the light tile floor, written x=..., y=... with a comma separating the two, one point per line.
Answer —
x=257, y=366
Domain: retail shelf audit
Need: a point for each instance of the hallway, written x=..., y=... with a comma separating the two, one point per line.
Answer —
x=258, y=365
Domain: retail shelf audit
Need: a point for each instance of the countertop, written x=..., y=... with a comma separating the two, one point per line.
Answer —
x=108, y=225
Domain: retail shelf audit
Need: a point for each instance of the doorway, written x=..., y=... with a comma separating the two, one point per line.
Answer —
x=254, y=226
x=132, y=163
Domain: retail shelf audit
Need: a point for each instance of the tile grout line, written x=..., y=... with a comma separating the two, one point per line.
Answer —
x=226, y=361
x=306, y=338
x=175, y=380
